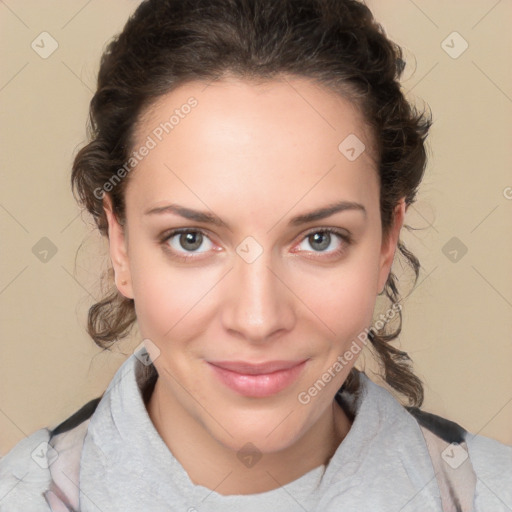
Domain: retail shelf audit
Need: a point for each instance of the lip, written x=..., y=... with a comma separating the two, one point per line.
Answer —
x=257, y=380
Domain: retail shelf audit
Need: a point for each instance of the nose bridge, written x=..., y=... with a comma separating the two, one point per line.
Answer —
x=259, y=304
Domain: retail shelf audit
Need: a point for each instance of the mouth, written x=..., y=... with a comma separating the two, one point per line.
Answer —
x=257, y=380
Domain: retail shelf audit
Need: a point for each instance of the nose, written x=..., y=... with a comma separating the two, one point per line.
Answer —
x=258, y=304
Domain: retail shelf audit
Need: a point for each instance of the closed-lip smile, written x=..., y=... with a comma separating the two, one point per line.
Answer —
x=257, y=380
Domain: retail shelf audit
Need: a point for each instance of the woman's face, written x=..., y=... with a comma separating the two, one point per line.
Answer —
x=258, y=279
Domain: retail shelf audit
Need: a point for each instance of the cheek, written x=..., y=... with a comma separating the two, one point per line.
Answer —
x=167, y=297
x=344, y=297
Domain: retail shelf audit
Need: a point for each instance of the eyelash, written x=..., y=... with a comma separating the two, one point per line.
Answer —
x=343, y=235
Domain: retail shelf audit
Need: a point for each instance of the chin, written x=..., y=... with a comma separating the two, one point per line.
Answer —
x=268, y=435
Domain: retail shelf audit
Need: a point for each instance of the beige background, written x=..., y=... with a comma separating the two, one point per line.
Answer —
x=457, y=322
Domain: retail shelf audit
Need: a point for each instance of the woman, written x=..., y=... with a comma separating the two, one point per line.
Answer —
x=251, y=163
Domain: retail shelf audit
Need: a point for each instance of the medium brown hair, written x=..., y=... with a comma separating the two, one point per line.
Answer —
x=336, y=43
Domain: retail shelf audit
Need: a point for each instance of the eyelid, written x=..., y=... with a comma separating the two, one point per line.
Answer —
x=166, y=235
x=344, y=233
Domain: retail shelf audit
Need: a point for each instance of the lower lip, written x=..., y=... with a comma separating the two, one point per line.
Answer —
x=258, y=386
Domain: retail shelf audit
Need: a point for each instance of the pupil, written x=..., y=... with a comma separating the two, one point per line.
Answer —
x=318, y=237
x=194, y=239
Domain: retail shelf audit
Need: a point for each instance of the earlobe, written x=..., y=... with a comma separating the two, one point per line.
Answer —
x=117, y=250
x=389, y=245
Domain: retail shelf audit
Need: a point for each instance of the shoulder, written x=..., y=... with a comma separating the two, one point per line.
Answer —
x=488, y=466
x=489, y=457
x=25, y=475
x=492, y=462
x=31, y=472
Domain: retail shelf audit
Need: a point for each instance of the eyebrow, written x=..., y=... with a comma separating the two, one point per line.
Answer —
x=209, y=218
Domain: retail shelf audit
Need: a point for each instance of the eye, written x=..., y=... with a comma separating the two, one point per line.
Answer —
x=183, y=244
x=321, y=239
x=182, y=241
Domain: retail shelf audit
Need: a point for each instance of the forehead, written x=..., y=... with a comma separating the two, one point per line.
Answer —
x=249, y=139
x=281, y=102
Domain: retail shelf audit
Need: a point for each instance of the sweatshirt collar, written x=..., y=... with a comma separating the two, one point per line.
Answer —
x=122, y=439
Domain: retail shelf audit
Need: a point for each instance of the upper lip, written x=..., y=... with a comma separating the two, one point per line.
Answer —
x=256, y=369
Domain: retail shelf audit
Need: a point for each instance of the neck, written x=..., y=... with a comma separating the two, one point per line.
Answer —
x=211, y=464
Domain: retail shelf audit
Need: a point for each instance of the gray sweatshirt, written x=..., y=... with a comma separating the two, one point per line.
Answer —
x=383, y=464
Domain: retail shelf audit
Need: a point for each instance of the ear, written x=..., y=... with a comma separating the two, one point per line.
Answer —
x=390, y=243
x=118, y=250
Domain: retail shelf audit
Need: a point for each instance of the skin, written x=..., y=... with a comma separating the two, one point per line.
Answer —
x=254, y=155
